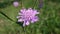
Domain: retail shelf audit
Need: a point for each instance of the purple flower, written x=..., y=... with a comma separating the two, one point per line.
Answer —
x=15, y=4
x=27, y=16
x=40, y=3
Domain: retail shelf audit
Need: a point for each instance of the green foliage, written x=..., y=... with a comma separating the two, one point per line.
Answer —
x=49, y=18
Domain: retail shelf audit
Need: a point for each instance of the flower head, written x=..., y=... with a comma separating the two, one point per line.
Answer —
x=15, y=4
x=27, y=16
x=40, y=3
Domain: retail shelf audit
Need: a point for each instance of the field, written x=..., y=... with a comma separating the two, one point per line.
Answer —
x=49, y=17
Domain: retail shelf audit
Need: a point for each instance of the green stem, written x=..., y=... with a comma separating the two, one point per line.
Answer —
x=24, y=30
x=6, y=16
x=34, y=3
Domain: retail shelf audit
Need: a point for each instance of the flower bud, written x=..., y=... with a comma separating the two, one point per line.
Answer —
x=15, y=4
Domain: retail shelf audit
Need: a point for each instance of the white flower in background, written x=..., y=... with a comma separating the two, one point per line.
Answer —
x=16, y=4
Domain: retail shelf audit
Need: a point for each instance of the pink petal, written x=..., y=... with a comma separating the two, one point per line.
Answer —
x=18, y=16
x=20, y=20
x=37, y=12
x=24, y=24
x=34, y=19
x=27, y=23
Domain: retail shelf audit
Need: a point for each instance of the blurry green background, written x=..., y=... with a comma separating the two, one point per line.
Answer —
x=49, y=17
